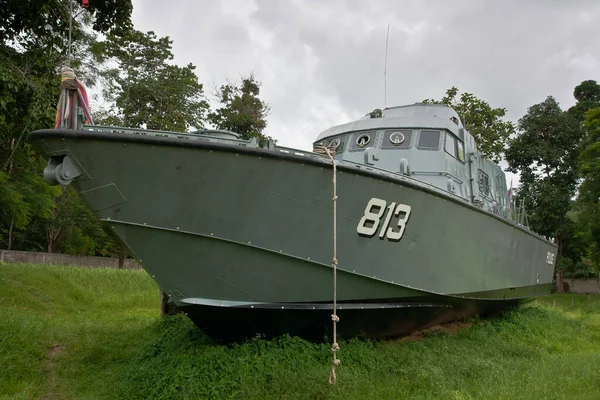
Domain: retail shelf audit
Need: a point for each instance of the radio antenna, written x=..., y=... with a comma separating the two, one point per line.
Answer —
x=70, y=28
x=385, y=69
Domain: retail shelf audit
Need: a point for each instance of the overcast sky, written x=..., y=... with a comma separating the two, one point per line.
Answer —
x=321, y=62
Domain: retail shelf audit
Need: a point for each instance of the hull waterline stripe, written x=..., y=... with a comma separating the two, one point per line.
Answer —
x=309, y=306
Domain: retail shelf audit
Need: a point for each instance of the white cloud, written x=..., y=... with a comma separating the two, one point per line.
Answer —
x=321, y=63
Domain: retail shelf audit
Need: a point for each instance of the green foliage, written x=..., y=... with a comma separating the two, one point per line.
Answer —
x=146, y=90
x=43, y=18
x=589, y=161
x=553, y=152
x=589, y=192
x=33, y=48
x=545, y=153
x=95, y=333
x=482, y=121
x=547, y=143
x=107, y=117
x=587, y=91
x=23, y=196
x=72, y=228
x=24, y=99
x=242, y=111
x=110, y=15
x=13, y=206
x=590, y=164
x=547, y=201
x=587, y=94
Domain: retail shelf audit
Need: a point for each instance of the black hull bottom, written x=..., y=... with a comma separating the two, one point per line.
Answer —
x=313, y=321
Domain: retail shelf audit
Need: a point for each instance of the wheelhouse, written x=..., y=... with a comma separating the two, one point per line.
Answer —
x=426, y=142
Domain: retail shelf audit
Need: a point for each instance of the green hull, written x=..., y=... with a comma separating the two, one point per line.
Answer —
x=225, y=226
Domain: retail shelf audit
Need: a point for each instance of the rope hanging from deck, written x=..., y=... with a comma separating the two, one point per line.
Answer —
x=330, y=152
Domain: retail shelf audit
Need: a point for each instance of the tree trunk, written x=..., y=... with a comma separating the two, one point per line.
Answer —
x=12, y=220
x=50, y=241
x=10, y=163
x=559, y=282
x=10, y=233
x=53, y=234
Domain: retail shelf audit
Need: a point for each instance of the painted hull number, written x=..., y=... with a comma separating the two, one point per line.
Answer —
x=375, y=211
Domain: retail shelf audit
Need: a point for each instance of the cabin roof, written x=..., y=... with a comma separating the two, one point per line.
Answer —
x=418, y=115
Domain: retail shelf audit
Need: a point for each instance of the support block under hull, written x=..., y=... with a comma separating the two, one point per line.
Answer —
x=313, y=321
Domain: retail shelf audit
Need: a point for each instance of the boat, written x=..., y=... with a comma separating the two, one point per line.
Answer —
x=239, y=232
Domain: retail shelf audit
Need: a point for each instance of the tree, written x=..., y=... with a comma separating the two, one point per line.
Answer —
x=587, y=94
x=22, y=197
x=27, y=73
x=69, y=221
x=145, y=90
x=43, y=18
x=33, y=47
x=590, y=157
x=587, y=111
x=545, y=152
x=242, y=111
x=482, y=121
x=589, y=193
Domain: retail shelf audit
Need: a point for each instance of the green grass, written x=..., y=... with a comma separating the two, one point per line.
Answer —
x=74, y=333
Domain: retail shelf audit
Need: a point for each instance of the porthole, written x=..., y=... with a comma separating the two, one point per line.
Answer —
x=397, y=138
x=335, y=143
x=363, y=140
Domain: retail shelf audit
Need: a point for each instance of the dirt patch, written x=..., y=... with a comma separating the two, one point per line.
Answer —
x=55, y=350
x=50, y=370
x=451, y=328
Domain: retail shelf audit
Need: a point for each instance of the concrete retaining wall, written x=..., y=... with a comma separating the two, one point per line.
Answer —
x=579, y=285
x=9, y=256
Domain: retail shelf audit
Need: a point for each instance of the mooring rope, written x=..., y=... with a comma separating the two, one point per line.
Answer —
x=330, y=152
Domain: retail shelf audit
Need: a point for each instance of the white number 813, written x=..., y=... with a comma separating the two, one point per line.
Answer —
x=369, y=223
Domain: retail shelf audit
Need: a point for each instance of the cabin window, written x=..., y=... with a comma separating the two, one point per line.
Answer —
x=397, y=139
x=500, y=190
x=429, y=140
x=483, y=180
x=337, y=143
x=461, y=150
x=362, y=140
x=450, y=145
x=497, y=187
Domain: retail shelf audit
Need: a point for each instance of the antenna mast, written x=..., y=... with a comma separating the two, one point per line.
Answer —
x=70, y=28
x=385, y=69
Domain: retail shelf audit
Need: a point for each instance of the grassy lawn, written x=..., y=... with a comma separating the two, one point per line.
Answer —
x=74, y=333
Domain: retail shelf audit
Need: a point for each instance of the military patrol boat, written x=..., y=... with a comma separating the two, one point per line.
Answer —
x=239, y=233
